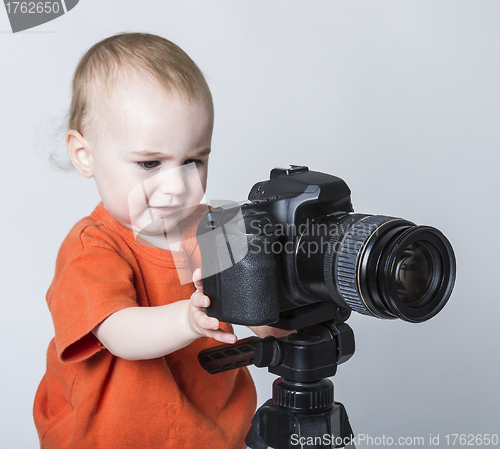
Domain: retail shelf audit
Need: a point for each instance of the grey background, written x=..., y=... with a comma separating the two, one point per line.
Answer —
x=399, y=98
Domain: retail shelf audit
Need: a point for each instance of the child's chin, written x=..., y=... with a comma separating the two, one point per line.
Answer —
x=152, y=228
x=158, y=234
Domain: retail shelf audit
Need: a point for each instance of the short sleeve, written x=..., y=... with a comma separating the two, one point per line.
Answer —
x=90, y=285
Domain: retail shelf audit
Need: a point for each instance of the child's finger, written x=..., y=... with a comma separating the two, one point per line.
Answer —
x=222, y=336
x=210, y=327
x=206, y=323
x=197, y=279
x=199, y=300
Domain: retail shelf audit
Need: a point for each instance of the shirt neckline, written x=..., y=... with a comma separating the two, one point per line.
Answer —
x=173, y=259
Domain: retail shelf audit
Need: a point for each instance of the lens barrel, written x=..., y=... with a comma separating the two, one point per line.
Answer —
x=377, y=265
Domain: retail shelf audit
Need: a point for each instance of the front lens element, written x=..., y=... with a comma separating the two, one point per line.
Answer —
x=415, y=271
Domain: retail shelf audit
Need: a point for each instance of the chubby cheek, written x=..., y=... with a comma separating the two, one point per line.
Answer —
x=196, y=187
x=137, y=207
x=203, y=174
x=122, y=199
x=118, y=206
x=196, y=183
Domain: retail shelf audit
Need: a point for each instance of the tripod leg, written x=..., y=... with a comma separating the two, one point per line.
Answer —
x=277, y=428
x=344, y=430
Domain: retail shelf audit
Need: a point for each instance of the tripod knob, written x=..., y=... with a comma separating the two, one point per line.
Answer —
x=303, y=397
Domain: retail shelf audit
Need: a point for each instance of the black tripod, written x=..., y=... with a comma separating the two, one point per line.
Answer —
x=302, y=412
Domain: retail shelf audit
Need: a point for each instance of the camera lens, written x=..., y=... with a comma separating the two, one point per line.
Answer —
x=414, y=275
x=377, y=265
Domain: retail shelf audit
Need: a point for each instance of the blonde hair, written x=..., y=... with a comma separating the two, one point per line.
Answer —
x=153, y=57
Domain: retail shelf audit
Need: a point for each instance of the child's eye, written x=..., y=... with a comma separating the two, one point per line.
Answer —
x=193, y=161
x=148, y=165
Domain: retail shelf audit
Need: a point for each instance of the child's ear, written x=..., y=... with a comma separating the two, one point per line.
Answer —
x=79, y=153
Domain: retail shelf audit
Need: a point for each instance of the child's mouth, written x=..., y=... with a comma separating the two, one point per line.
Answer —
x=166, y=210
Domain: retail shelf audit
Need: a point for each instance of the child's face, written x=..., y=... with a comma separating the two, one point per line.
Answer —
x=149, y=156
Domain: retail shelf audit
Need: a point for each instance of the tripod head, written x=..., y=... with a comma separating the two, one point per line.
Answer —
x=302, y=405
x=308, y=355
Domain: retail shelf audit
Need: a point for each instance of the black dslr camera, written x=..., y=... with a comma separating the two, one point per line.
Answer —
x=296, y=255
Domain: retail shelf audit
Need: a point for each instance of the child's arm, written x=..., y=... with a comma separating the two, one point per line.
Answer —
x=138, y=333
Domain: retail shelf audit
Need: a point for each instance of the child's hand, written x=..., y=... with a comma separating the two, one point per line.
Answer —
x=198, y=320
x=266, y=331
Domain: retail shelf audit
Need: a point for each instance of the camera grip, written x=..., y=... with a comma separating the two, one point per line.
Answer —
x=248, y=291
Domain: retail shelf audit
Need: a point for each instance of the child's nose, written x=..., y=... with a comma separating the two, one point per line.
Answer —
x=173, y=182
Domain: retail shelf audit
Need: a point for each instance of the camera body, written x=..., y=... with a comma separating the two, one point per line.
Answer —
x=295, y=255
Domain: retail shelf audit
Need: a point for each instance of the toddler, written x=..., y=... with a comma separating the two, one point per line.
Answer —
x=122, y=370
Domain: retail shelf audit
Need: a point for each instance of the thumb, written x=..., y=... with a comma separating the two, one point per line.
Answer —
x=197, y=279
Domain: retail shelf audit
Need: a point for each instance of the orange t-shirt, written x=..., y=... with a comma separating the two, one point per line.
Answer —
x=90, y=399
